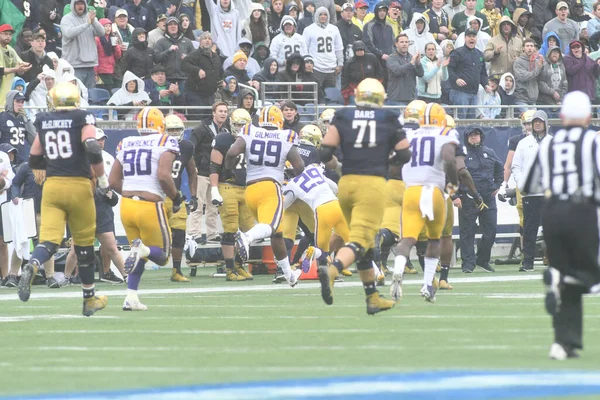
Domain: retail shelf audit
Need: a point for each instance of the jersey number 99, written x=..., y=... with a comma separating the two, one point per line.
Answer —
x=265, y=153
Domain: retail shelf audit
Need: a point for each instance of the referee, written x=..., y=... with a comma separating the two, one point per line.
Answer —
x=567, y=170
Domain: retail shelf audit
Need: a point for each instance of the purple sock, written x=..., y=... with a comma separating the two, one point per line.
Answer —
x=157, y=255
x=133, y=280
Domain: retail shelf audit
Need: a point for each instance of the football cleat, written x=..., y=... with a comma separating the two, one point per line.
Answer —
x=428, y=292
x=232, y=276
x=307, y=258
x=93, y=304
x=177, y=277
x=12, y=281
x=435, y=283
x=408, y=269
x=52, y=283
x=138, y=251
x=396, y=287
x=241, y=271
x=327, y=276
x=444, y=285
x=380, y=279
x=242, y=246
x=110, y=277
x=28, y=272
x=293, y=281
x=552, y=281
x=560, y=353
x=132, y=303
x=377, y=303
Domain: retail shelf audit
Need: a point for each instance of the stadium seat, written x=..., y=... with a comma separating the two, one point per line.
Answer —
x=333, y=95
x=98, y=97
x=114, y=90
x=309, y=113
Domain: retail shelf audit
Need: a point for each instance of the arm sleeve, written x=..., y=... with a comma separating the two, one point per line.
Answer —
x=517, y=163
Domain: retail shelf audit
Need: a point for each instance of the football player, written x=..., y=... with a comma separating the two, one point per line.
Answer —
x=433, y=148
x=66, y=147
x=366, y=135
x=177, y=221
x=227, y=192
x=142, y=174
x=15, y=127
x=266, y=149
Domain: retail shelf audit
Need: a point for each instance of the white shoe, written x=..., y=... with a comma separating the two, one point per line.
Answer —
x=557, y=352
x=133, y=304
x=396, y=287
x=242, y=245
x=428, y=292
x=294, y=277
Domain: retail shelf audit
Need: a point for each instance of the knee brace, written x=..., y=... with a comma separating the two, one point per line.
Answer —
x=86, y=260
x=48, y=247
x=365, y=263
x=388, y=239
x=357, y=249
x=178, y=241
x=228, y=239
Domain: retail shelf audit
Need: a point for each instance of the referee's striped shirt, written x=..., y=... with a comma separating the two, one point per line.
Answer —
x=567, y=166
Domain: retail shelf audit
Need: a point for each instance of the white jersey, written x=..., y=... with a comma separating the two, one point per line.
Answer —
x=266, y=152
x=312, y=187
x=282, y=46
x=426, y=166
x=325, y=46
x=139, y=157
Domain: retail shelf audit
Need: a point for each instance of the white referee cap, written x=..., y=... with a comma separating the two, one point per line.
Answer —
x=576, y=105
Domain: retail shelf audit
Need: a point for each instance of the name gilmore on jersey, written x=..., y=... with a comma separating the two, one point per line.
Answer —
x=267, y=135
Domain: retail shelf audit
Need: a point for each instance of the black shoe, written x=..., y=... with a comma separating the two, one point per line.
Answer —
x=11, y=281
x=467, y=270
x=487, y=267
x=526, y=268
x=279, y=276
x=201, y=240
x=110, y=277
x=52, y=283
x=75, y=280
x=217, y=239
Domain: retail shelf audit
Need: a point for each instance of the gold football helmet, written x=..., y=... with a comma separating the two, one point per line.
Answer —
x=526, y=121
x=65, y=96
x=311, y=135
x=174, y=126
x=150, y=120
x=239, y=118
x=450, y=122
x=435, y=115
x=414, y=112
x=271, y=116
x=327, y=114
x=369, y=93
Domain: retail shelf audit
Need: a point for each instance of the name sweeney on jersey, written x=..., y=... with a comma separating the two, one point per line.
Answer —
x=57, y=124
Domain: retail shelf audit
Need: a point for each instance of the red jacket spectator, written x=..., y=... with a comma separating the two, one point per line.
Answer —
x=108, y=53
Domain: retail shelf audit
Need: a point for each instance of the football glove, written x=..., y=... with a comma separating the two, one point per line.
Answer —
x=102, y=187
x=451, y=189
x=217, y=200
x=479, y=203
x=502, y=190
x=193, y=203
x=177, y=202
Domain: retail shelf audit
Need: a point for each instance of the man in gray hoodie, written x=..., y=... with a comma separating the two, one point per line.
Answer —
x=526, y=69
x=552, y=81
x=79, y=28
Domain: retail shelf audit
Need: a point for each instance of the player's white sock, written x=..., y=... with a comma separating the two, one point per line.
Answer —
x=399, y=264
x=376, y=270
x=430, y=266
x=285, y=267
x=259, y=231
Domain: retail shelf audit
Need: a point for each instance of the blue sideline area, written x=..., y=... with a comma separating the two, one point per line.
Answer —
x=441, y=385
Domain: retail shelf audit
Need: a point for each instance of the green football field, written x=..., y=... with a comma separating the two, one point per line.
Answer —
x=216, y=332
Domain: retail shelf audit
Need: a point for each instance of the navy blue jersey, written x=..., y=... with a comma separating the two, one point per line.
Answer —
x=186, y=152
x=309, y=154
x=514, y=141
x=236, y=176
x=60, y=136
x=367, y=136
x=12, y=131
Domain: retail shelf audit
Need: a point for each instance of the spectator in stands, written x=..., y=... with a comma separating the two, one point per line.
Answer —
x=123, y=29
x=307, y=18
x=521, y=18
x=203, y=68
x=447, y=48
x=403, y=70
x=452, y=8
x=256, y=27
x=10, y=62
x=23, y=42
x=493, y=16
x=226, y=25
x=131, y=94
x=47, y=13
x=98, y=6
x=160, y=91
x=361, y=66
x=138, y=58
x=229, y=93
x=593, y=26
x=78, y=45
x=324, y=43
x=502, y=50
x=18, y=84
x=37, y=91
x=582, y=71
x=64, y=73
x=157, y=33
x=435, y=71
x=186, y=29
x=159, y=7
x=550, y=40
x=260, y=53
x=137, y=14
x=269, y=74
x=396, y=18
x=246, y=101
x=578, y=14
x=274, y=18
x=36, y=56
x=459, y=20
x=566, y=28
x=252, y=66
x=109, y=52
x=527, y=68
x=238, y=69
x=287, y=42
x=330, y=5
x=203, y=138
x=294, y=67
x=466, y=72
x=291, y=9
x=542, y=9
x=192, y=9
x=489, y=96
x=378, y=36
x=171, y=51
x=361, y=7
x=507, y=91
x=291, y=118
x=552, y=82
x=438, y=21
x=419, y=36
x=348, y=31
x=483, y=38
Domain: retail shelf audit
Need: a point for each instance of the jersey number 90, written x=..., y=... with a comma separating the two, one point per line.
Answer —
x=137, y=162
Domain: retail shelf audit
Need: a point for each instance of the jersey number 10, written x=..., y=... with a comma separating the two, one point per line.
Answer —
x=422, y=151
